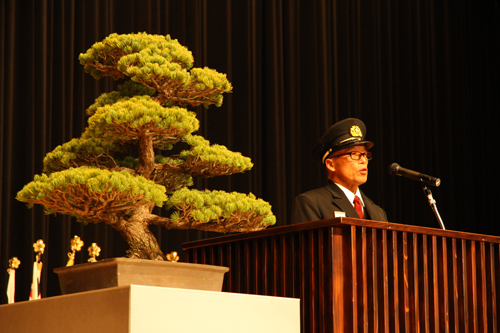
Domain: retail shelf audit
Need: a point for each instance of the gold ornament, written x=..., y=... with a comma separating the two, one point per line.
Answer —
x=172, y=256
x=76, y=245
x=356, y=131
x=94, y=251
x=39, y=247
x=14, y=263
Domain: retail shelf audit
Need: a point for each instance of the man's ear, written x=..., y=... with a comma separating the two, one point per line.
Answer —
x=330, y=165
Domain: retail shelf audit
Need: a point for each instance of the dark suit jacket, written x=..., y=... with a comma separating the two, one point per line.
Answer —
x=321, y=204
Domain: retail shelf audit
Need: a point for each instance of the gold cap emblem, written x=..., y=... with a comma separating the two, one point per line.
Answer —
x=356, y=131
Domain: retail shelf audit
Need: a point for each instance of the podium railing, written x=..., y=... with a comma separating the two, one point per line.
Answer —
x=357, y=275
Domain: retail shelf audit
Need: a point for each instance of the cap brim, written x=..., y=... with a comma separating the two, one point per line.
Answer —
x=367, y=144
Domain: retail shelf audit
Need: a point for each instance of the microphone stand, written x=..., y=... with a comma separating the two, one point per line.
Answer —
x=432, y=202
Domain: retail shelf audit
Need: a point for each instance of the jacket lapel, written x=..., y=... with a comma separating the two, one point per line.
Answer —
x=340, y=200
x=371, y=208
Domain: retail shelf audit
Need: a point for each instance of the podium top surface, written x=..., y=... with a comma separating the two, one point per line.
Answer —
x=342, y=222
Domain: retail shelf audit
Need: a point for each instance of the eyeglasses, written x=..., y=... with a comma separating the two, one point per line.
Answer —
x=356, y=155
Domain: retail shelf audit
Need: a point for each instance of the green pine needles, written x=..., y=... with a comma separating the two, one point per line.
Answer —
x=122, y=166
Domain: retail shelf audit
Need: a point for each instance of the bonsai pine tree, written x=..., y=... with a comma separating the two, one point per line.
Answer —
x=125, y=164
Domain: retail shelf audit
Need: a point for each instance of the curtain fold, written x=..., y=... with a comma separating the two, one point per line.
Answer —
x=423, y=76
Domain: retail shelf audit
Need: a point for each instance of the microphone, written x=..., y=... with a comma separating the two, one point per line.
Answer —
x=396, y=170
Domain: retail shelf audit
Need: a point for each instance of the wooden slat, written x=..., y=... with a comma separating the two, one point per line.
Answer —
x=473, y=270
x=445, y=286
x=311, y=273
x=494, y=267
x=414, y=277
x=340, y=277
x=397, y=281
x=364, y=280
x=483, y=319
x=425, y=259
x=321, y=246
x=466, y=291
x=406, y=284
x=354, y=270
x=435, y=278
x=456, y=284
x=376, y=314
x=385, y=277
x=302, y=278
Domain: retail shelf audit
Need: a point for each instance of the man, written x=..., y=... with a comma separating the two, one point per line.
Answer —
x=344, y=152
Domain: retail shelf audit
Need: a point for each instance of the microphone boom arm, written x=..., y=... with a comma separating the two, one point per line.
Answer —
x=432, y=203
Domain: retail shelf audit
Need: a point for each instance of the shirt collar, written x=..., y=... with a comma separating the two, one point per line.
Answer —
x=351, y=195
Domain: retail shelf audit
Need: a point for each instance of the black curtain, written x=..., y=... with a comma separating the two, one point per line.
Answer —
x=422, y=75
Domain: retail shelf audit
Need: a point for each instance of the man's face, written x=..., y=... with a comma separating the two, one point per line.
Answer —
x=343, y=170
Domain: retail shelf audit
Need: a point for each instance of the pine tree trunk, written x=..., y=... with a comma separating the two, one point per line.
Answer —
x=140, y=240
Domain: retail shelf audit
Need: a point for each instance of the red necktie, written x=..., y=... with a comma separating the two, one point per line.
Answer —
x=358, y=206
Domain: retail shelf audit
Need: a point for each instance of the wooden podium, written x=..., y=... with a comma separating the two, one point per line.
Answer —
x=356, y=275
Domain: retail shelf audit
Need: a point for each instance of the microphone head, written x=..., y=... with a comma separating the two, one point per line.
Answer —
x=393, y=169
